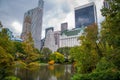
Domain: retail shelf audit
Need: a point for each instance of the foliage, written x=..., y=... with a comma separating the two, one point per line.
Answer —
x=45, y=54
x=107, y=47
x=86, y=55
x=15, y=54
x=6, y=43
x=57, y=57
x=35, y=64
x=103, y=75
x=51, y=62
x=65, y=51
x=29, y=53
x=18, y=47
x=6, y=63
x=6, y=55
x=1, y=25
x=11, y=78
x=110, y=32
x=104, y=70
x=20, y=64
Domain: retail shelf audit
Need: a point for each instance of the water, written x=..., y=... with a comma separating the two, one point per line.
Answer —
x=46, y=72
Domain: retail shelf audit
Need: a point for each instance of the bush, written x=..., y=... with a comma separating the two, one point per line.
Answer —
x=103, y=75
x=33, y=66
x=11, y=78
x=57, y=57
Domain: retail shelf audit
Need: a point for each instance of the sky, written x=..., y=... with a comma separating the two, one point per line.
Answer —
x=55, y=13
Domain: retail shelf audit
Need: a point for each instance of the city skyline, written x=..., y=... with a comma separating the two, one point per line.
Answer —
x=55, y=13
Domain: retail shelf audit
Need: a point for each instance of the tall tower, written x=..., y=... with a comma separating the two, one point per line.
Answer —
x=64, y=26
x=40, y=3
x=33, y=24
x=50, y=39
x=85, y=15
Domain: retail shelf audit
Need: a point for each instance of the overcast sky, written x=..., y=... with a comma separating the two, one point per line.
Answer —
x=55, y=13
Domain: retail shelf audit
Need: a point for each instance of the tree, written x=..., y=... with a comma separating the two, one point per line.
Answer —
x=6, y=55
x=65, y=51
x=57, y=57
x=5, y=42
x=45, y=54
x=108, y=47
x=6, y=63
x=86, y=55
x=110, y=32
x=30, y=53
x=1, y=25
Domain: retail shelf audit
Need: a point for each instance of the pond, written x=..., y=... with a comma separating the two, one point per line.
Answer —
x=46, y=72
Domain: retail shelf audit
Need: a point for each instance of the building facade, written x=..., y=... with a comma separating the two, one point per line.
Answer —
x=85, y=15
x=33, y=24
x=64, y=26
x=69, y=38
x=50, y=39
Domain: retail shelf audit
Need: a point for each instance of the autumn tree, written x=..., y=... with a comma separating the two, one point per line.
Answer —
x=86, y=55
x=30, y=52
x=57, y=57
x=6, y=55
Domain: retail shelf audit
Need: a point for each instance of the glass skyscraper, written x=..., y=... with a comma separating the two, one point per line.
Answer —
x=85, y=15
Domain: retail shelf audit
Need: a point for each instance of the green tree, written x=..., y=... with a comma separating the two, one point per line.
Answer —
x=108, y=46
x=6, y=55
x=57, y=57
x=45, y=54
x=65, y=51
x=110, y=32
x=86, y=55
x=5, y=42
x=1, y=25
x=6, y=63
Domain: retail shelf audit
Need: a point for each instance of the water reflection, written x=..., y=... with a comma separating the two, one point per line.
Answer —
x=46, y=72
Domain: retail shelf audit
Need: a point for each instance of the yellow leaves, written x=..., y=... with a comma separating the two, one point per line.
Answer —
x=51, y=62
x=33, y=66
x=57, y=57
x=20, y=64
x=5, y=57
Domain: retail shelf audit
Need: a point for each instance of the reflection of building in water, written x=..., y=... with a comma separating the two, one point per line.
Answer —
x=85, y=15
x=33, y=24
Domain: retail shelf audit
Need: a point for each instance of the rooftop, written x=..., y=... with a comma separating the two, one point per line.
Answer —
x=72, y=32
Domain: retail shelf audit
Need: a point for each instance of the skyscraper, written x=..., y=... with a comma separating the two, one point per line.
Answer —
x=64, y=26
x=33, y=24
x=85, y=15
x=50, y=39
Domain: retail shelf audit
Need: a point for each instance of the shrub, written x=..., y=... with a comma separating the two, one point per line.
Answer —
x=57, y=57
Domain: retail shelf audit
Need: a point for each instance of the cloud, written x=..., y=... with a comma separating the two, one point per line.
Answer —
x=16, y=26
x=55, y=13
